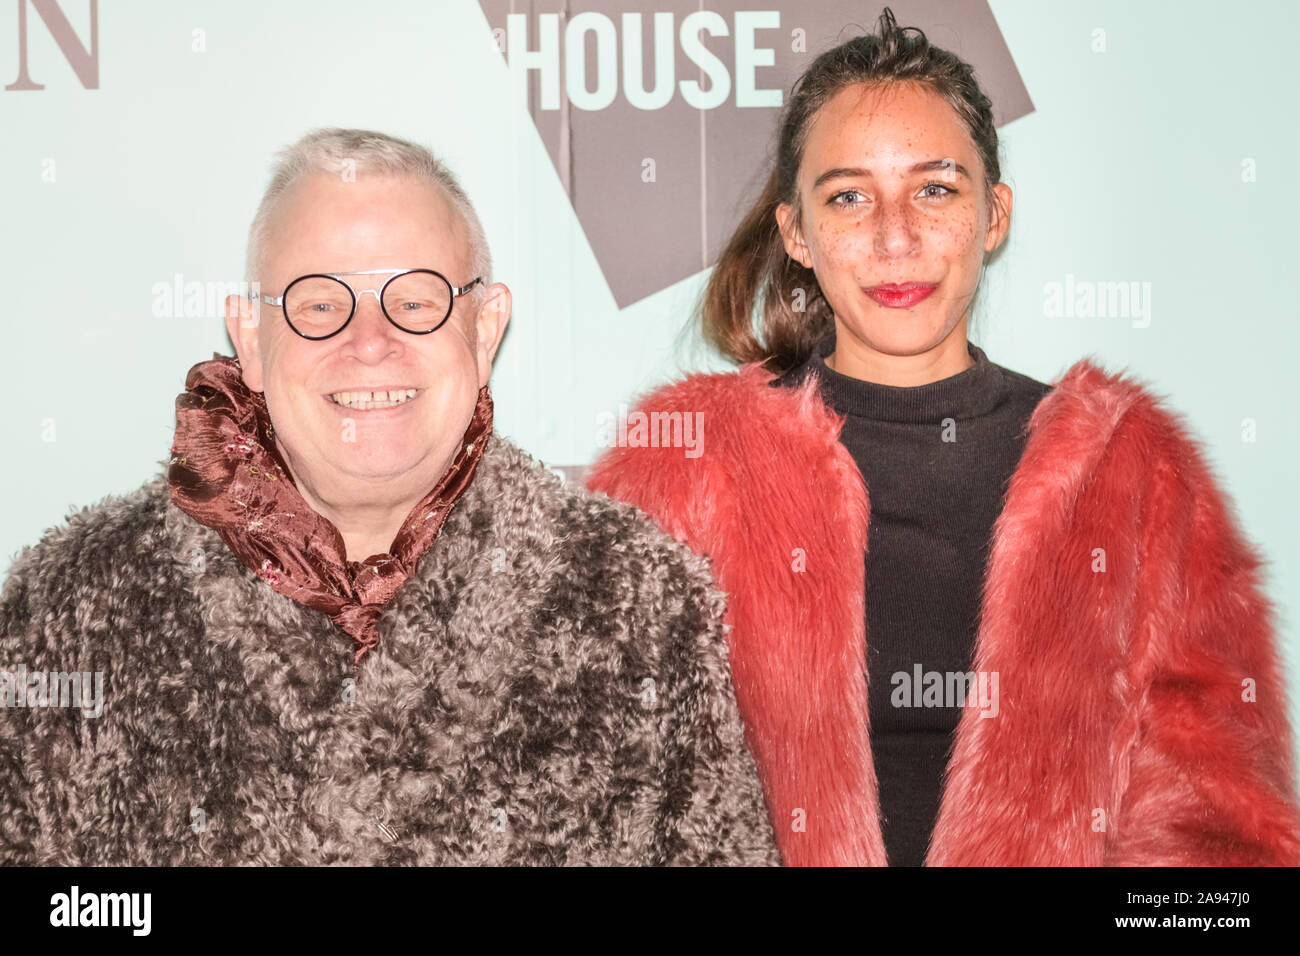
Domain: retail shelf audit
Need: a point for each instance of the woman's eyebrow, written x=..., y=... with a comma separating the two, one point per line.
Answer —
x=858, y=172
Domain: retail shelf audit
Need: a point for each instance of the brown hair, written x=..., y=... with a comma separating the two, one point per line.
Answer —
x=754, y=270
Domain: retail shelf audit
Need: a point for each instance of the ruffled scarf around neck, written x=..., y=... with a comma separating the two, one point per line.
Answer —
x=227, y=473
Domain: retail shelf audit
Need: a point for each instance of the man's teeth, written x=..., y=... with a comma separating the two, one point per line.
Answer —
x=367, y=400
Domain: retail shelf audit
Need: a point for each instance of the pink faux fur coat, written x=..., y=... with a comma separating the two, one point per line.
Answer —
x=1142, y=715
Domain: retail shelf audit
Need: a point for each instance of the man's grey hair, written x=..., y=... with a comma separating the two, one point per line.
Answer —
x=341, y=152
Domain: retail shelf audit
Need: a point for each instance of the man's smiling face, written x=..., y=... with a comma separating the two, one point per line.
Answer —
x=327, y=225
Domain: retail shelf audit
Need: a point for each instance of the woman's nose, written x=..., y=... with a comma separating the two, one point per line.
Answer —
x=896, y=234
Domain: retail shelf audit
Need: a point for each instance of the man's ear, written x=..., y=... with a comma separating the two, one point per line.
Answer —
x=490, y=326
x=999, y=217
x=242, y=321
x=792, y=234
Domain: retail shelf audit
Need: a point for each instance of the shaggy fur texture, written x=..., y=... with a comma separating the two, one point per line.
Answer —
x=1124, y=736
x=550, y=686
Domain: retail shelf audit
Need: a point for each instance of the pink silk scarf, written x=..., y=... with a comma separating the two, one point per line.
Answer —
x=227, y=473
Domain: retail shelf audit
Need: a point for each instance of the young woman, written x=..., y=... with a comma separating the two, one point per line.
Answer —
x=975, y=618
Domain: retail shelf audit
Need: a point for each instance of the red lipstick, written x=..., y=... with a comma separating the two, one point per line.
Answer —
x=894, y=295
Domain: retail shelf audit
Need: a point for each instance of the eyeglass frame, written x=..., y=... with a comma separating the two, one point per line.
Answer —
x=456, y=293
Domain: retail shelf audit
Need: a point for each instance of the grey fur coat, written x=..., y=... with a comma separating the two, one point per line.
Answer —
x=551, y=687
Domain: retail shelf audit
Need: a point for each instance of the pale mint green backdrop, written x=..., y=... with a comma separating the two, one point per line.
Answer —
x=1130, y=169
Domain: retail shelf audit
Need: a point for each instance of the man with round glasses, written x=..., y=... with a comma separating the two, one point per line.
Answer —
x=350, y=623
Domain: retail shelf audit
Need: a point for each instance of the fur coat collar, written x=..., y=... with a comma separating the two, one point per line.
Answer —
x=1142, y=711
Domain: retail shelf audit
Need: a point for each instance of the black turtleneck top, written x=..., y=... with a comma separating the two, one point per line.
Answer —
x=936, y=460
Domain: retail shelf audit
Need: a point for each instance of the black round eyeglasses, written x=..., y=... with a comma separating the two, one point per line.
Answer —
x=320, y=305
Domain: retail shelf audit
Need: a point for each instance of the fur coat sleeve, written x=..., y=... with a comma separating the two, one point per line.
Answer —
x=1143, y=711
x=550, y=687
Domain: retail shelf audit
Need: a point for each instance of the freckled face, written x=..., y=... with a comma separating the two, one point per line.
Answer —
x=892, y=194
